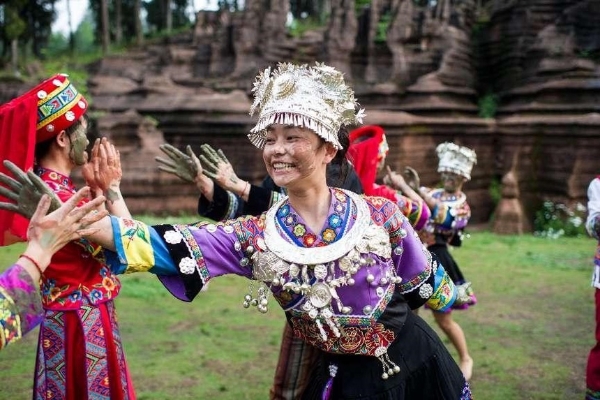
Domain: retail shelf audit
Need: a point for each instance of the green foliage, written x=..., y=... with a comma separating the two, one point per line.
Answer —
x=555, y=220
x=57, y=44
x=495, y=190
x=360, y=5
x=28, y=21
x=382, y=27
x=488, y=105
x=593, y=55
x=84, y=36
x=156, y=14
x=299, y=26
x=15, y=26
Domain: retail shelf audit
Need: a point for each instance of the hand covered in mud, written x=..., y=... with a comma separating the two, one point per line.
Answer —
x=219, y=168
x=69, y=222
x=464, y=294
x=394, y=179
x=103, y=171
x=185, y=166
x=24, y=191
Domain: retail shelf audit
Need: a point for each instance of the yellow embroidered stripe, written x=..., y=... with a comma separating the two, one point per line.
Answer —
x=136, y=245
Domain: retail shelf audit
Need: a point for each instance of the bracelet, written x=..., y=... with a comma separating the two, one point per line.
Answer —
x=35, y=263
x=246, y=191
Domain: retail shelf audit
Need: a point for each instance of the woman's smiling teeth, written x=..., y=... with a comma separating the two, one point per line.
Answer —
x=279, y=166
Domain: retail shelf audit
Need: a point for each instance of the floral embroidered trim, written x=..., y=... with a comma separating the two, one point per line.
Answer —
x=195, y=252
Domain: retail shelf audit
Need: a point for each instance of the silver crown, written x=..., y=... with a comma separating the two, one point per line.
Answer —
x=456, y=159
x=314, y=97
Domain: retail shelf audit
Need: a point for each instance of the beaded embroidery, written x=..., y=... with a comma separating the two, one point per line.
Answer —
x=318, y=272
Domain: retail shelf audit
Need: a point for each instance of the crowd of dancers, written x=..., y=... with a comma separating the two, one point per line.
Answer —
x=347, y=247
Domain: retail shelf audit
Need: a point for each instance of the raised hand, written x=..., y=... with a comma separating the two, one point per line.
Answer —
x=394, y=179
x=412, y=178
x=24, y=191
x=218, y=167
x=185, y=166
x=87, y=170
x=68, y=222
x=106, y=163
x=103, y=172
x=464, y=294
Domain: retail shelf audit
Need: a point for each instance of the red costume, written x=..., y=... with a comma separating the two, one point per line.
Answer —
x=368, y=147
x=80, y=355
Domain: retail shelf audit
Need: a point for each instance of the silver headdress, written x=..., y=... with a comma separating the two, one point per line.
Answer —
x=456, y=159
x=314, y=97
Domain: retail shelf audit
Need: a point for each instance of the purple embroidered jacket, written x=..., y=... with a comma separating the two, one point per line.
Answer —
x=359, y=274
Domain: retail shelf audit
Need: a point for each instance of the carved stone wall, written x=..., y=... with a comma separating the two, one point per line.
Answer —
x=541, y=58
x=421, y=82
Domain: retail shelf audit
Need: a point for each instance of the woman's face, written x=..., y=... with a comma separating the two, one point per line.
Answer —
x=452, y=182
x=295, y=156
x=79, y=142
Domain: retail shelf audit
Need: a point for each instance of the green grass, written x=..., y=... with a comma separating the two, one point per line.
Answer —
x=529, y=334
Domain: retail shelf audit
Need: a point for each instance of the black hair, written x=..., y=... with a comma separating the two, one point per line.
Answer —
x=338, y=171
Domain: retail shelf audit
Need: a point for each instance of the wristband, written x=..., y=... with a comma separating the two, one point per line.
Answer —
x=35, y=263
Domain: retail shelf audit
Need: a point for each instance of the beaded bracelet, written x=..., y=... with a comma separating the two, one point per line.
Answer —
x=35, y=263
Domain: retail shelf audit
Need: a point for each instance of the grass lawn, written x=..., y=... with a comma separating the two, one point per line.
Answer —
x=529, y=334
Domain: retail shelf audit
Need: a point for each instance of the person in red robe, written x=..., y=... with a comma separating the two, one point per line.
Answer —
x=80, y=355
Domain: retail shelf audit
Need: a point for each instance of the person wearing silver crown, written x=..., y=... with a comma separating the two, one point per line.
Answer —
x=450, y=214
x=346, y=269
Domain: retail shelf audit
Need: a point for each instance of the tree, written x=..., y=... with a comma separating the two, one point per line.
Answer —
x=14, y=27
x=105, y=37
x=39, y=14
x=137, y=11
x=118, y=22
x=166, y=15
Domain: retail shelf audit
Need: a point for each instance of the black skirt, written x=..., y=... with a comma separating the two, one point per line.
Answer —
x=443, y=254
x=427, y=371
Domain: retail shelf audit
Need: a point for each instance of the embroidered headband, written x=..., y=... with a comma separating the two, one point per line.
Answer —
x=59, y=106
x=315, y=97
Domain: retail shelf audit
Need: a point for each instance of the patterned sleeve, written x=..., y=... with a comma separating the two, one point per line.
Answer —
x=225, y=205
x=424, y=280
x=451, y=217
x=593, y=218
x=185, y=257
x=20, y=305
x=417, y=212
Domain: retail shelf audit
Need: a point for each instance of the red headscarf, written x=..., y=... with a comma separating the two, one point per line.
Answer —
x=368, y=146
x=38, y=115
